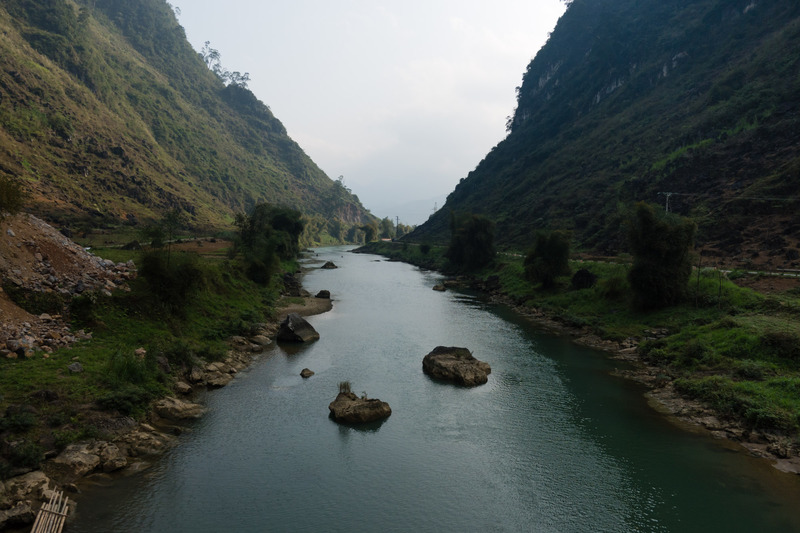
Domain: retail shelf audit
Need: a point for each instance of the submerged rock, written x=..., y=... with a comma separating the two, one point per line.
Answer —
x=456, y=365
x=349, y=408
x=296, y=329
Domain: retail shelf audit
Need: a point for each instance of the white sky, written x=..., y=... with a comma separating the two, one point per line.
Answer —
x=402, y=98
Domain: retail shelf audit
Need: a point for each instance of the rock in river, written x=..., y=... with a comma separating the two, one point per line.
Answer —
x=175, y=409
x=296, y=329
x=349, y=408
x=457, y=365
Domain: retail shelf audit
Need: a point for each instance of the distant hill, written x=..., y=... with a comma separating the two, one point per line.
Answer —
x=633, y=98
x=107, y=114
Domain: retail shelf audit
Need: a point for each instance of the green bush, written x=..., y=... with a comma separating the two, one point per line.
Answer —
x=614, y=288
x=26, y=455
x=784, y=344
x=172, y=280
x=12, y=196
x=18, y=421
x=129, y=400
x=36, y=302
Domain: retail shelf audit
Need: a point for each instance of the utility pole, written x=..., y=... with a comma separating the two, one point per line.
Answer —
x=667, y=194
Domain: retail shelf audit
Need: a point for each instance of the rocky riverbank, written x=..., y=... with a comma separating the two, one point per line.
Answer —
x=661, y=394
x=129, y=445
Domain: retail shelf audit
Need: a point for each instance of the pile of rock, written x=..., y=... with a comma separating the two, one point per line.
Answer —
x=35, y=257
x=44, y=333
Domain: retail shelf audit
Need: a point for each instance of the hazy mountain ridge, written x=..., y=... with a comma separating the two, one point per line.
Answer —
x=106, y=110
x=629, y=99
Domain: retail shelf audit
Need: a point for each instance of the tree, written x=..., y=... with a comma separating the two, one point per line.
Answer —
x=370, y=231
x=660, y=244
x=165, y=230
x=213, y=60
x=387, y=228
x=549, y=258
x=269, y=234
x=471, y=242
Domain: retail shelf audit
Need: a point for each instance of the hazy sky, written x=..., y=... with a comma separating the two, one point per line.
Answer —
x=402, y=98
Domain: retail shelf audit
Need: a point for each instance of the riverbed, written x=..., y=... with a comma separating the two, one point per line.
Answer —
x=552, y=443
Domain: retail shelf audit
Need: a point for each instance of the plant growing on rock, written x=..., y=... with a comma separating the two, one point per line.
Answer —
x=344, y=387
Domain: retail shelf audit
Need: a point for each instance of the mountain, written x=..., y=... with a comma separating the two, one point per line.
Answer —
x=632, y=99
x=107, y=114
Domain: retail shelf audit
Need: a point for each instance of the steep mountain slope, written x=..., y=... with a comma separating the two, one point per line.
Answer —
x=106, y=111
x=630, y=99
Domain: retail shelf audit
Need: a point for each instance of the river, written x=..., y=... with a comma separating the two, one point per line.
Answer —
x=552, y=443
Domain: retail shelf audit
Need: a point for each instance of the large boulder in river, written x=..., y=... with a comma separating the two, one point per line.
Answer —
x=349, y=408
x=296, y=329
x=329, y=265
x=457, y=365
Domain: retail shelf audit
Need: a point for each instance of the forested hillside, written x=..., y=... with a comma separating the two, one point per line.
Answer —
x=108, y=114
x=632, y=99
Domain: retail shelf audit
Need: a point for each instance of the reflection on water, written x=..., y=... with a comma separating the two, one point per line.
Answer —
x=551, y=443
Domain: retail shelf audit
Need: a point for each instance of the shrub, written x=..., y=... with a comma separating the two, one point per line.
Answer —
x=83, y=309
x=344, y=387
x=784, y=344
x=12, y=197
x=751, y=370
x=35, y=302
x=174, y=281
x=583, y=279
x=17, y=420
x=614, y=288
x=129, y=400
x=26, y=455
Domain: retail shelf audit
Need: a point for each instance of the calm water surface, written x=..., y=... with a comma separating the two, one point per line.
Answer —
x=552, y=443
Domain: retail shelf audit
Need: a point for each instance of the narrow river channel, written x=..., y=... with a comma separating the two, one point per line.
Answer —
x=552, y=443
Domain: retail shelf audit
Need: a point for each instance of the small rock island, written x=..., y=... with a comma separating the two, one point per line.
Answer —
x=350, y=409
x=456, y=365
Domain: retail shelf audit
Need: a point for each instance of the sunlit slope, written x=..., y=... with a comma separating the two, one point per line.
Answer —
x=106, y=111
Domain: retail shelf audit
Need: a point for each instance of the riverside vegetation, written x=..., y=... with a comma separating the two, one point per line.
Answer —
x=179, y=314
x=732, y=348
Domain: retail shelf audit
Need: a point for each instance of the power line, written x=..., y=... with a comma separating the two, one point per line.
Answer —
x=707, y=195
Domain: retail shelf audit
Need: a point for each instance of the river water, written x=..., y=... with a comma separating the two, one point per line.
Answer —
x=552, y=443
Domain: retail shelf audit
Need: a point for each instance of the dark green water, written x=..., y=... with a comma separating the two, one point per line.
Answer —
x=552, y=443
